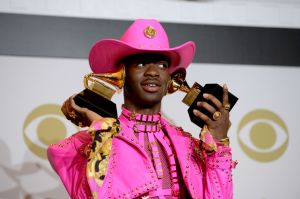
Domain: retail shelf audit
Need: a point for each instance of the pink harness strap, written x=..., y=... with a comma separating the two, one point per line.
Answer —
x=172, y=163
x=155, y=155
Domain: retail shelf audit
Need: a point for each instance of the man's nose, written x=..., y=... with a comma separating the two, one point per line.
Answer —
x=151, y=70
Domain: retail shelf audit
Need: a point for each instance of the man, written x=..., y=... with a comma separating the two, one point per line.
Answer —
x=141, y=155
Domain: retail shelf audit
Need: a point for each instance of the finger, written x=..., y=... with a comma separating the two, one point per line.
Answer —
x=213, y=99
x=225, y=95
x=75, y=106
x=207, y=106
x=63, y=108
x=66, y=110
x=68, y=106
x=202, y=116
x=84, y=112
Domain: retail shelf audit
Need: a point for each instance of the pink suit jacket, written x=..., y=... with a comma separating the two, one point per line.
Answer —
x=130, y=170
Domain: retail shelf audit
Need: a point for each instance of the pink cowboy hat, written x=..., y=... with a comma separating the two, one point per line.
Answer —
x=143, y=36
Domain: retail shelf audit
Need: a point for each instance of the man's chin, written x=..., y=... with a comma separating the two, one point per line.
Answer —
x=152, y=100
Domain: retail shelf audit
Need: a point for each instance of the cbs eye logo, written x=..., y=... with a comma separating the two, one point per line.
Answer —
x=45, y=125
x=263, y=135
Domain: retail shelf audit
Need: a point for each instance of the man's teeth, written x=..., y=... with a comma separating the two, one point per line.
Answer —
x=152, y=85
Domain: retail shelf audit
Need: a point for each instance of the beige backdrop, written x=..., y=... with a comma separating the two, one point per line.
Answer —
x=264, y=133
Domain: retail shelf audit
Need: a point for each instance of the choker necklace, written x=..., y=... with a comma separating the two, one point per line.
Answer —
x=142, y=123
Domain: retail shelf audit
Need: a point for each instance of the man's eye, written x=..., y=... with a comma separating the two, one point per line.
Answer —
x=163, y=65
x=140, y=65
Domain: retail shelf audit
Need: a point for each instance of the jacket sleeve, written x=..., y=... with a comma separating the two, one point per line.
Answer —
x=68, y=158
x=218, y=177
x=218, y=167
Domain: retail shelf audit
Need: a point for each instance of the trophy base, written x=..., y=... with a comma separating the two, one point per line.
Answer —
x=217, y=91
x=97, y=103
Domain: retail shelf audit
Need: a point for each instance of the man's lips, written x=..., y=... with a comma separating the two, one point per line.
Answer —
x=151, y=86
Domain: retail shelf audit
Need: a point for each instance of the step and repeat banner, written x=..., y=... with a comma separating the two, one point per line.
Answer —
x=264, y=133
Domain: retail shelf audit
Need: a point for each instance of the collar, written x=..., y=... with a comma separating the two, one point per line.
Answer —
x=142, y=122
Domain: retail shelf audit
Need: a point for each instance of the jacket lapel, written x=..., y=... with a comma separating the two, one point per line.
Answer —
x=182, y=143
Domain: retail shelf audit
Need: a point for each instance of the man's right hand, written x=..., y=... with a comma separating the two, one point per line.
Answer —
x=77, y=115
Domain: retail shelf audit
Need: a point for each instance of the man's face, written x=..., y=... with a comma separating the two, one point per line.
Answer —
x=146, y=79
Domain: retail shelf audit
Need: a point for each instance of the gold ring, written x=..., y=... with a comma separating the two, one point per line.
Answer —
x=72, y=114
x=216, y=115
x=227, y=107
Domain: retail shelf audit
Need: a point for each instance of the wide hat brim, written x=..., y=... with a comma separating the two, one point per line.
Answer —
x=105, y=55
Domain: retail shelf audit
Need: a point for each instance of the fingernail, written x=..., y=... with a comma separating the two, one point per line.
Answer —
x=205, y=95
x=195, y=112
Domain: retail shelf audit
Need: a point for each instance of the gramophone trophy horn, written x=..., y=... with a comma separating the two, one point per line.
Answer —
x=99, y=89
x=195, y=94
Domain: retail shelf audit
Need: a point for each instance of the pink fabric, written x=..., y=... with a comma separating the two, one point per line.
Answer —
x=147, y=129
x=106, y=54
x=131, y=173
x=69, y=160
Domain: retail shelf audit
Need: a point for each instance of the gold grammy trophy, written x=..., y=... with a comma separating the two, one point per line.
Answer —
x=195, y=94
x=99, y=89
